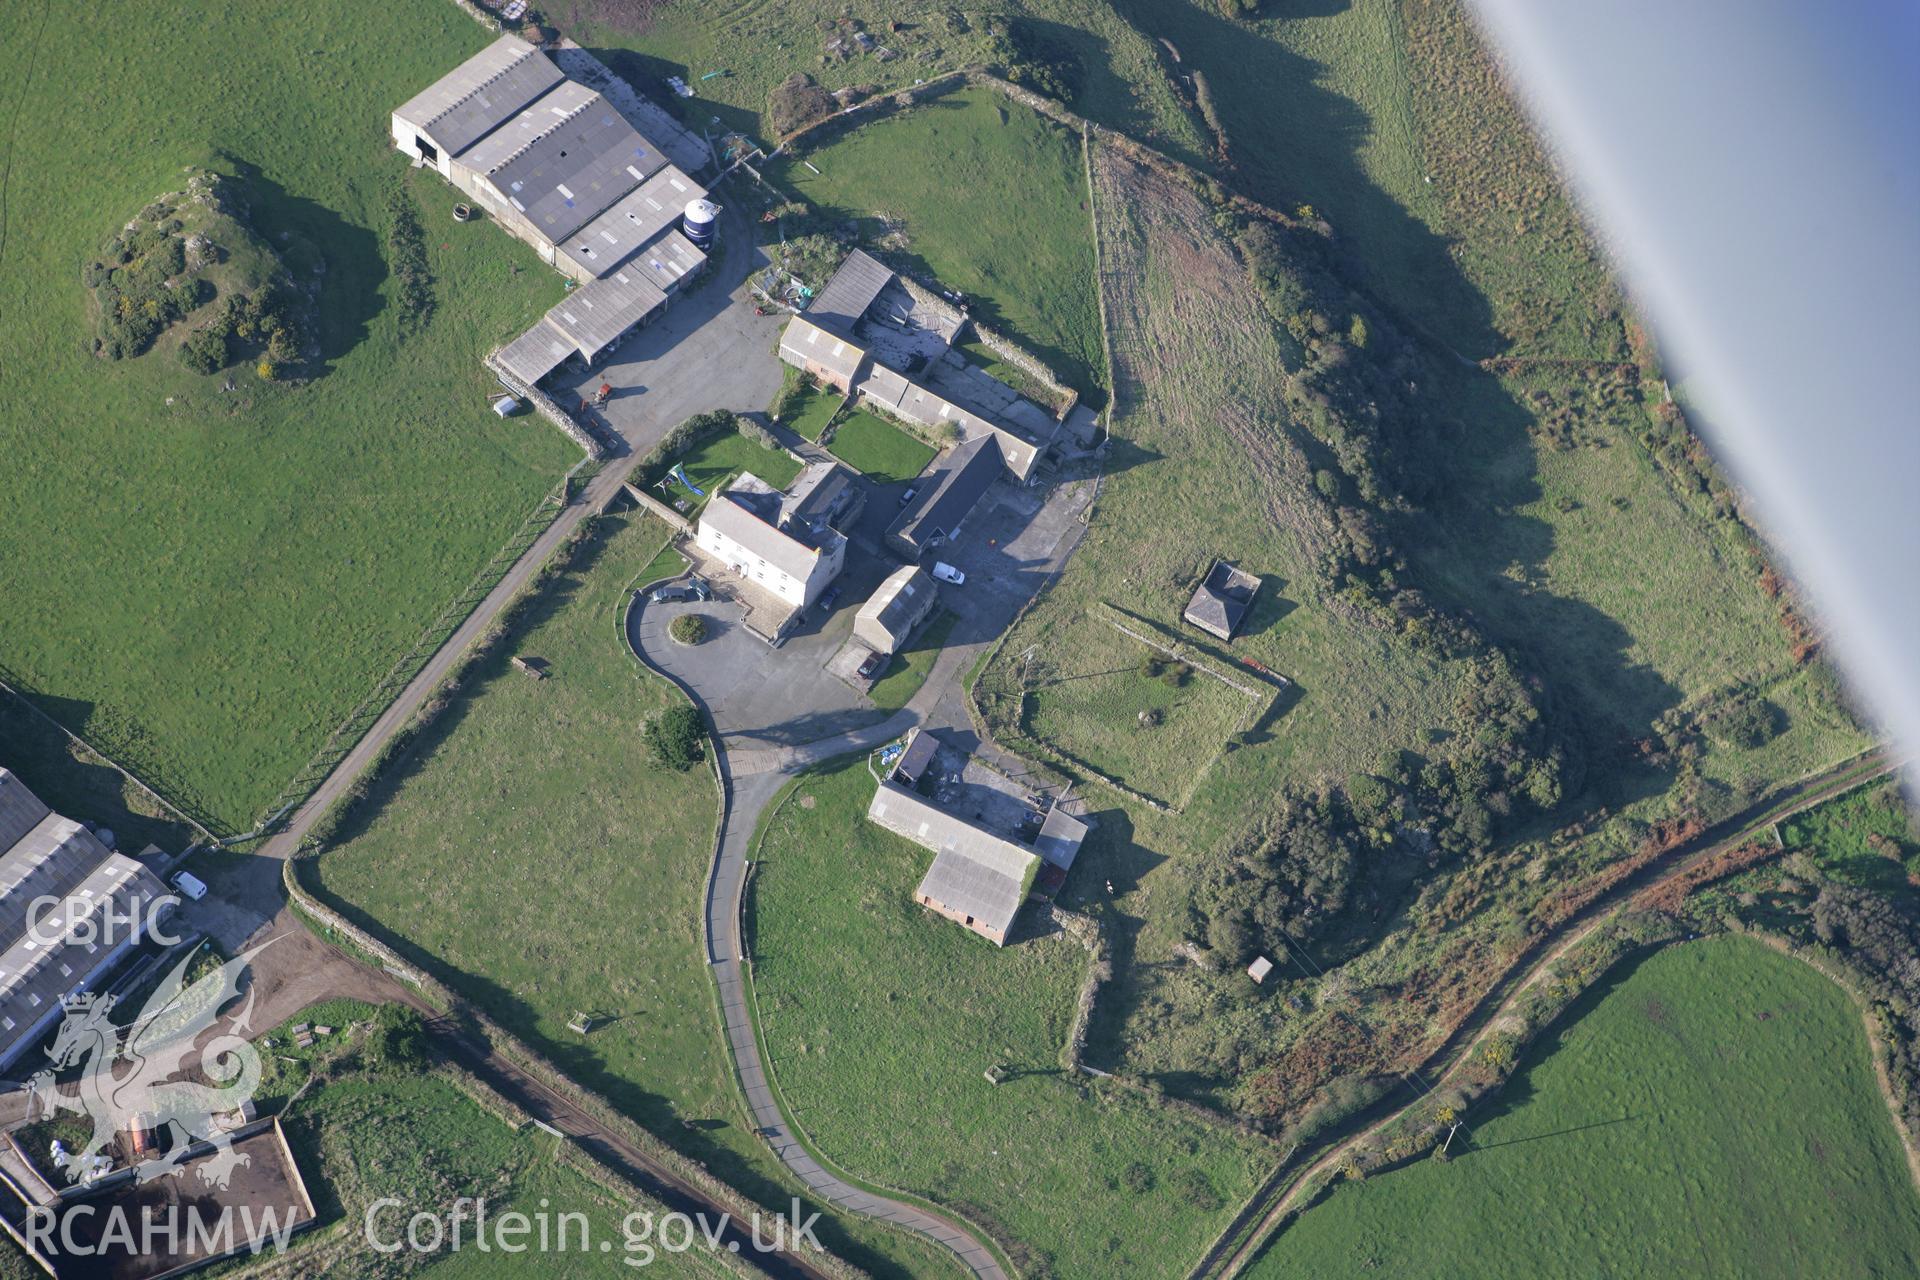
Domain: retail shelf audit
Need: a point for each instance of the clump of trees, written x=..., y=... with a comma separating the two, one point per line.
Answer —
x=1878, y=943
x=1171, y=671
x=1286, y=878
x=1743, y=720
x=263, y=326
x=153, y=275
x=140, y=287
x=398, y=1040
x=1033, y=60
x=674, y=737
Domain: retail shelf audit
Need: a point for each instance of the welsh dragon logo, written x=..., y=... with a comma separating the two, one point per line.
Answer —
x=142, y=1068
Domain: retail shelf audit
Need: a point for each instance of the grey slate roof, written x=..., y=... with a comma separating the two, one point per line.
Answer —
x=953, y=489
x=599, y=311
x=883, y=386
x=477, y=96
x=565, y=159
x=817, y=493
x=632, y=221
x=921, y=750
x=735, y=520
x=974, y=872
x=846, y=297
x=897, y=603
x=1222, y=599
x=1060, y=837
x=802, y=342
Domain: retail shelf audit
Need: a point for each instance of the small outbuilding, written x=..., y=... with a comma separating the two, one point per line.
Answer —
x=892, y=612
x=1260, y=968
x=1221, y=601
x=922, y=747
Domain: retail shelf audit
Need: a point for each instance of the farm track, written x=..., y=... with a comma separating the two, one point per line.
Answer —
x=1227, y=1259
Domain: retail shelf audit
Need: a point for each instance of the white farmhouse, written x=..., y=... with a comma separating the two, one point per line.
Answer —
x=792, y=560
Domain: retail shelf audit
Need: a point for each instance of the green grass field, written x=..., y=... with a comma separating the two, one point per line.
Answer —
x=881, y=1017
x=908, y=670
x=205, y=583
x=1020, y=243
x=810, y=411
x=713, y=462
x=1091, y=698
x=1712, y=1113
x=536, y=802
x=880, y=449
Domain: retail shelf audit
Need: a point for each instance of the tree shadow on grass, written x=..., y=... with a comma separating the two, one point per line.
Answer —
x=74, y=784
x=353, y=257
x=1272, y=103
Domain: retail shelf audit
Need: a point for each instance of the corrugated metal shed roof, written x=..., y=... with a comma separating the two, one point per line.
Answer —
x=954, y=489
x=74, y=942
x=846, y=297
x=668, y=261
x=974, y=871
x=536, y=353
x=20, y=809
x=634, y=219
x=802, y=342
x=528, y=125
x=54, y=857
x=565, y=159
x=477, y=96
x=735, y=521
x=599, y=311
x=48, y=861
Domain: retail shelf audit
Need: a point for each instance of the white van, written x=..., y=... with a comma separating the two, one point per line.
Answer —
x=191, y=885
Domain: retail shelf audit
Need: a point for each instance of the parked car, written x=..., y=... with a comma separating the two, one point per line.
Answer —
x=947, y=573
x=701, y=589
x=674, y=592
x=907, y=497
x=191, y=885
x=871, y=666
x=827, y=598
